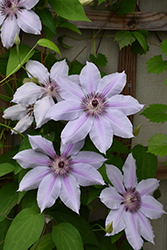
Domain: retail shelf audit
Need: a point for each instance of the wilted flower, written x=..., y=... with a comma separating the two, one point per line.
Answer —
x=41, y=96
x=58, y=175
x=16, y=15
x=94, y=106
x=22, y=113
x=131, y=203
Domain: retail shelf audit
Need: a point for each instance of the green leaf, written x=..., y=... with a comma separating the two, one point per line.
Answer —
x=69, y=9
x=158, y=144
x=164, y=47
x=156, y=65
x=49, y=44
x=99, y=60
x=117, y=147
x=156, y=113
x=141, y=39
x=67, y=237
x=4, y=225
x=115, y=237
x=47, y=19
x=45, y=244
x=30, y=200
x=8, y=198
x=25, y=229
x=6, y=168
x=146, y=162
x=101, y=1
x=124, y=38
x=93, y=193
x=63, y=23
x=127, y=6
x=13, y=64
x=5, y=98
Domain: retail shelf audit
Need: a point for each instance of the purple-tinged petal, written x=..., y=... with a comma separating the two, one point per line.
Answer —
x=121, y=125
x=126, y=104
x=86, y=175
x=76, y=130
x=38, y=70
x=59, y=69
x=29, y=21
x=68, y=89
x=116, y=178
x=65, y=110
x=117, y=217
x=16, y=112
x=112, y=84
x=147, y=186
x=70, y=193
x=101, y=134
x=30, y=159
x=150, y=207
x=48, y=191
x=28, y=93
x=2, y=18
x=145, y=228
x=41, y=108
x=71, y=149
x=33, y=178
x=129, y=169
x=132, y=231
x=89, y=78
x=75, y=78
x=23, y=124
x=38, y=143
x=8, y=31
x=110, y=197
x=87, y=157
x=28, y=4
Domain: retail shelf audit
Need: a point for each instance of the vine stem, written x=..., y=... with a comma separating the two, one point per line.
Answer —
x=108, y=19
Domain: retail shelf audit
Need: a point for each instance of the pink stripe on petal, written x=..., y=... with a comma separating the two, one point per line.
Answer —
x=129, y=169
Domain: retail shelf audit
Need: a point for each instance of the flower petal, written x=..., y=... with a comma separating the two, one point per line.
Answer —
x=112, y=84
x=70, y=193
x=121, y=125
x=33, y=178
x=8, y=31
x=64, y=110
x=23, y=124
x=132, y=231
x=38, y=143
x=101, y=133
x=48, y=191
x=116, y=178
x=89, y=78
x=41, y=108
x=86, y=175
x=30, y=159
x=147, y=186
x=71, y=149
x=38, y=70
x=59, y=69
x=145, y=227
x=2, y=18
x=28, y=93
x=126, y=104
x=129, y=169
x=110, y=197
x=87, y=157
x=76, y=130
x=117, y=217
x=16, y=112
x=29, y=21
x=28, y=4
x=150, y=207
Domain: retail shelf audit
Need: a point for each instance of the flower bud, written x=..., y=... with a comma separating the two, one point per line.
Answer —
x=35, y=80
x=85, y=2
x=17, y=39
x=109, y=228
x=137, y=130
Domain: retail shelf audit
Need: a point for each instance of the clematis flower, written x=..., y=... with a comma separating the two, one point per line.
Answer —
x=94, y=107
x=58, y=175
x=22, y=113
x=16, y=15
x=131, y=203
x=41, y=96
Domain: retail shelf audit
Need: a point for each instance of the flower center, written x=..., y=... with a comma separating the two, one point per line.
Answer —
x=9, y=7
x=132, y=200
x=60, y=165
x=94, y=104
x=52, y=89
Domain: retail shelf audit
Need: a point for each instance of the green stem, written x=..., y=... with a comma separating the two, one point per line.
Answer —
x=6, y=126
